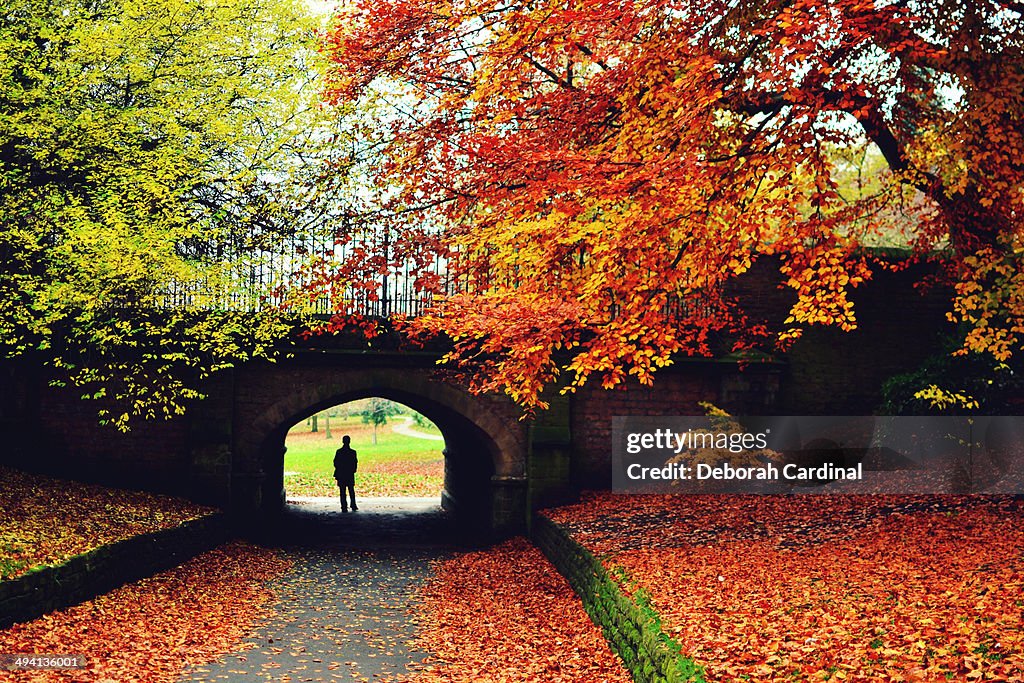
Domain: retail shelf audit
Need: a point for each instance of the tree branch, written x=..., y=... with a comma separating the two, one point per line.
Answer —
x=555, y=78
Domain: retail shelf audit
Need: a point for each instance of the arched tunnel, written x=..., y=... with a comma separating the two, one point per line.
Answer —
x=469, y=456
x=484, y=449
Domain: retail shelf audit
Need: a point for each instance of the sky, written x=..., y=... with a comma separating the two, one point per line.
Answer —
x=321, y=6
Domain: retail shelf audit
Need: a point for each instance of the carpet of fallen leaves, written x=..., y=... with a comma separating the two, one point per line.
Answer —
x=150, y=630
x=45, y=521
x=823, y=588
x=341, y=615
x=505, y=614
x=380, y=479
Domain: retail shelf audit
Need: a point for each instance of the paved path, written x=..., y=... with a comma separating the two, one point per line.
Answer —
x=380, y=522
x=405, y=428
x=346, y=609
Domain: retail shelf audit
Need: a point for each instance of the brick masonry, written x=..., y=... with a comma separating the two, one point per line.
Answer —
x=826, y=372
x=228, y=449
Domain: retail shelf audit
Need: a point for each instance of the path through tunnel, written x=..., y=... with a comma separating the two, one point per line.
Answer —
x=441, y=494
x=355, y=578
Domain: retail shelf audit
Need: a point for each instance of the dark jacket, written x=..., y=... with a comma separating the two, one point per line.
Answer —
x=345, y=464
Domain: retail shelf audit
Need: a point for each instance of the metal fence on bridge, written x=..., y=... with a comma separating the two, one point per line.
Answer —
x=296, y=274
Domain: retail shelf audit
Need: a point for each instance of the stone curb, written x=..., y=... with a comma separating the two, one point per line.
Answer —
x=631, y=627
x=107, y=567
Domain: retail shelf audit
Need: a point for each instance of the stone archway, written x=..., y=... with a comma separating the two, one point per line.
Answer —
x=485, y=444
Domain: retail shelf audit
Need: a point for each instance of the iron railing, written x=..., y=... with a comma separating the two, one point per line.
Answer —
x=253, y=280
x=297, y=273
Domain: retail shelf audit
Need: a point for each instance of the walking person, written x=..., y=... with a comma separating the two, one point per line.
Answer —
x=345, y=464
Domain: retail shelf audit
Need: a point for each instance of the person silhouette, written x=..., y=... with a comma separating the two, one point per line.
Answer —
x=345, y=464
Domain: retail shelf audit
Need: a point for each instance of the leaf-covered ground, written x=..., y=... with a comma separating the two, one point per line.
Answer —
x=387, y=479
x=505, y=614
x=150, y=630
x=820, y=588
x=341, y=615
x=45, y=521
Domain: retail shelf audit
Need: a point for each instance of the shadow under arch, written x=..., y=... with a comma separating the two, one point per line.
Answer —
x=484, y=472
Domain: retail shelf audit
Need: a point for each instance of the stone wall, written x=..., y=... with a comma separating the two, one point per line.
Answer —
x=631, y=627
x=228, y=449
x=485, y=442
x=103, y=569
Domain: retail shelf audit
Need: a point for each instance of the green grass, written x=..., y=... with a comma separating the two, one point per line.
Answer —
x=10, y=566
x=397, y=465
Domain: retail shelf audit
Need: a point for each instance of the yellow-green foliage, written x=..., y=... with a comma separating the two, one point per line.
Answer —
x=138, y=138
x=722, y=422
x=942, y=399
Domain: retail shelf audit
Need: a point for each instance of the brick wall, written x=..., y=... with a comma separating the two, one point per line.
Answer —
x=835, y=372
x=59, y=433
x=829, y=371
x=826, y=372
x=676, y=391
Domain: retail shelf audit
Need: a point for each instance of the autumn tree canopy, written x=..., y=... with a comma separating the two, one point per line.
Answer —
x=585, y=164
x=140, y=141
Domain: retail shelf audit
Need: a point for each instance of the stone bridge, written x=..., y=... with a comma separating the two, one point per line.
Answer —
x=486, y=445
x=229, y=448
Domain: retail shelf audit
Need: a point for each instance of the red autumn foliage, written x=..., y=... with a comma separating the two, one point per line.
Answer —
x=582, y=167
x=149, y=631
x=506, y=615
x=857, y=588
x=45, y=521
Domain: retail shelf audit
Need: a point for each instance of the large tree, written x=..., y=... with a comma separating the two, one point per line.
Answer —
x=585, y=164
x=147, y=149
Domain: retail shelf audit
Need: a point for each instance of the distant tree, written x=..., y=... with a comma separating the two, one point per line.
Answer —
x=377, y=412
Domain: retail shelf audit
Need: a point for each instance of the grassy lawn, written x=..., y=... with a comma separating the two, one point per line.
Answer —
x=397, y=465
